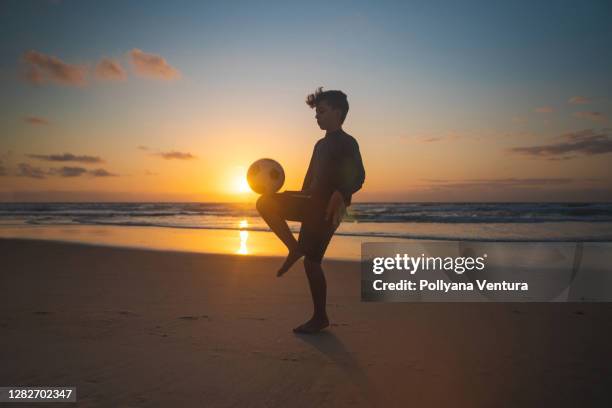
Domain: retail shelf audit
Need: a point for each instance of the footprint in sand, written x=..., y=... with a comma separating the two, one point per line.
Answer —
x=122, y=312
x=189, y=317
x=193, y=317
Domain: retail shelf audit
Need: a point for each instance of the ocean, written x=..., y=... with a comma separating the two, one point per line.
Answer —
x=571, y=222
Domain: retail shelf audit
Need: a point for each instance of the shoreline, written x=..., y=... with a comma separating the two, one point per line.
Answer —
x=217, y=241
x=204, y=241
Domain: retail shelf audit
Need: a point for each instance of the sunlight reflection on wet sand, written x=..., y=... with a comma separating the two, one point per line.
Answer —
x=240, y=242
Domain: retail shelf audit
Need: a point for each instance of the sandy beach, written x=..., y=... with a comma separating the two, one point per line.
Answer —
x=136, y=327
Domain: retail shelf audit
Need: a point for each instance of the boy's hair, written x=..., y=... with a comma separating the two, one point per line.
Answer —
x=336, y=99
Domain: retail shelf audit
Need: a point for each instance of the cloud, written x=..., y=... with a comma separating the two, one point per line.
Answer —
x=586, y=142
x=177, y=155
x=141, y=147
x=44, y=68
x=150, y=173
x=595, y=116
x=26, y=170
x=68, y=171
x=34, y=76
x=152, y=66
x=110, y=70
x=579, y=100
x=544, y=109
x=101, y=173
x=36, y=120
x=505, y=182
x=66, y=157
x=433, y=137
x=512, y=189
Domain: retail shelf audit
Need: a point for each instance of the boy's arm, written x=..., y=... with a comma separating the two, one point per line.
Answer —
x=352, y=174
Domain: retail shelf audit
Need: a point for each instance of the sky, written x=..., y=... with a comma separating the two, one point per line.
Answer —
x=172, y=101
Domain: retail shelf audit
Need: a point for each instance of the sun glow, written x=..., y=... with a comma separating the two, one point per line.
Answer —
x=243, y=185
x=240, y=184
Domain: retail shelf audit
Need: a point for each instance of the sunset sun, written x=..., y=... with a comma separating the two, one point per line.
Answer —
x=241, y=186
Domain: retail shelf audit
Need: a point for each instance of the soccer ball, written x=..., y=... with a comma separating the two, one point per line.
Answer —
x=265, y=176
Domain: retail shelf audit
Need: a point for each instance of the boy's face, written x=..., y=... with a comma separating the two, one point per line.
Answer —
x=327, y=117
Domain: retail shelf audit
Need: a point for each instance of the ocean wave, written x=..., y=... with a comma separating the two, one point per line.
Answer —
x=601, y=237
x=361, y=212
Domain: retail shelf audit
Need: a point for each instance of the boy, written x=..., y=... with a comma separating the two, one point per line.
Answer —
x=335, y=172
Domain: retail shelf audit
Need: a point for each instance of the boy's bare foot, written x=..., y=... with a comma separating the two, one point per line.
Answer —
x=312, y=326
x=292, y=258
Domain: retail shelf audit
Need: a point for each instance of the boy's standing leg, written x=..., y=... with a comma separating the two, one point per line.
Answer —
x=318, y=291
x=316, y=233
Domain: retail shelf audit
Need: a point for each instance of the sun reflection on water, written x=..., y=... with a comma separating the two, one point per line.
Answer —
x=244, y=235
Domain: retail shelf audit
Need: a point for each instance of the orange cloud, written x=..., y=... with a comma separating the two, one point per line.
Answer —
x=101, y=173
x=110, y=70
x=26, y=170
x=506, y=182
x=44, y=68
x=152, y=66
x=431, y=139
x=579, y=100
x=36, y=120
x=34, y=76
x=596, y=116
x=68, y=171
x=544, y=109
x=177, y=155
x=66, y=157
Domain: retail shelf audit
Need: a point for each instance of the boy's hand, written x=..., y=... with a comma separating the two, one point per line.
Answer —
x=335, y=209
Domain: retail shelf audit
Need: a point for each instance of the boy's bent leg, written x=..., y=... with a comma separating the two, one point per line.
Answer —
x=318, y=290
x=269, y=207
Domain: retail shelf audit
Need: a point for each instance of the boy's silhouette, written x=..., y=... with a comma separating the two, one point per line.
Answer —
x=335, y=172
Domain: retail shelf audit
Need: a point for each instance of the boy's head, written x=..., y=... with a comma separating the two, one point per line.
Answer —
x=331, y=107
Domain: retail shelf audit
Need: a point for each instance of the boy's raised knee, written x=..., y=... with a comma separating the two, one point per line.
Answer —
x=262, y=204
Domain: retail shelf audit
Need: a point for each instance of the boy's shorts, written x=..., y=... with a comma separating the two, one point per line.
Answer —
x=316, y=232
